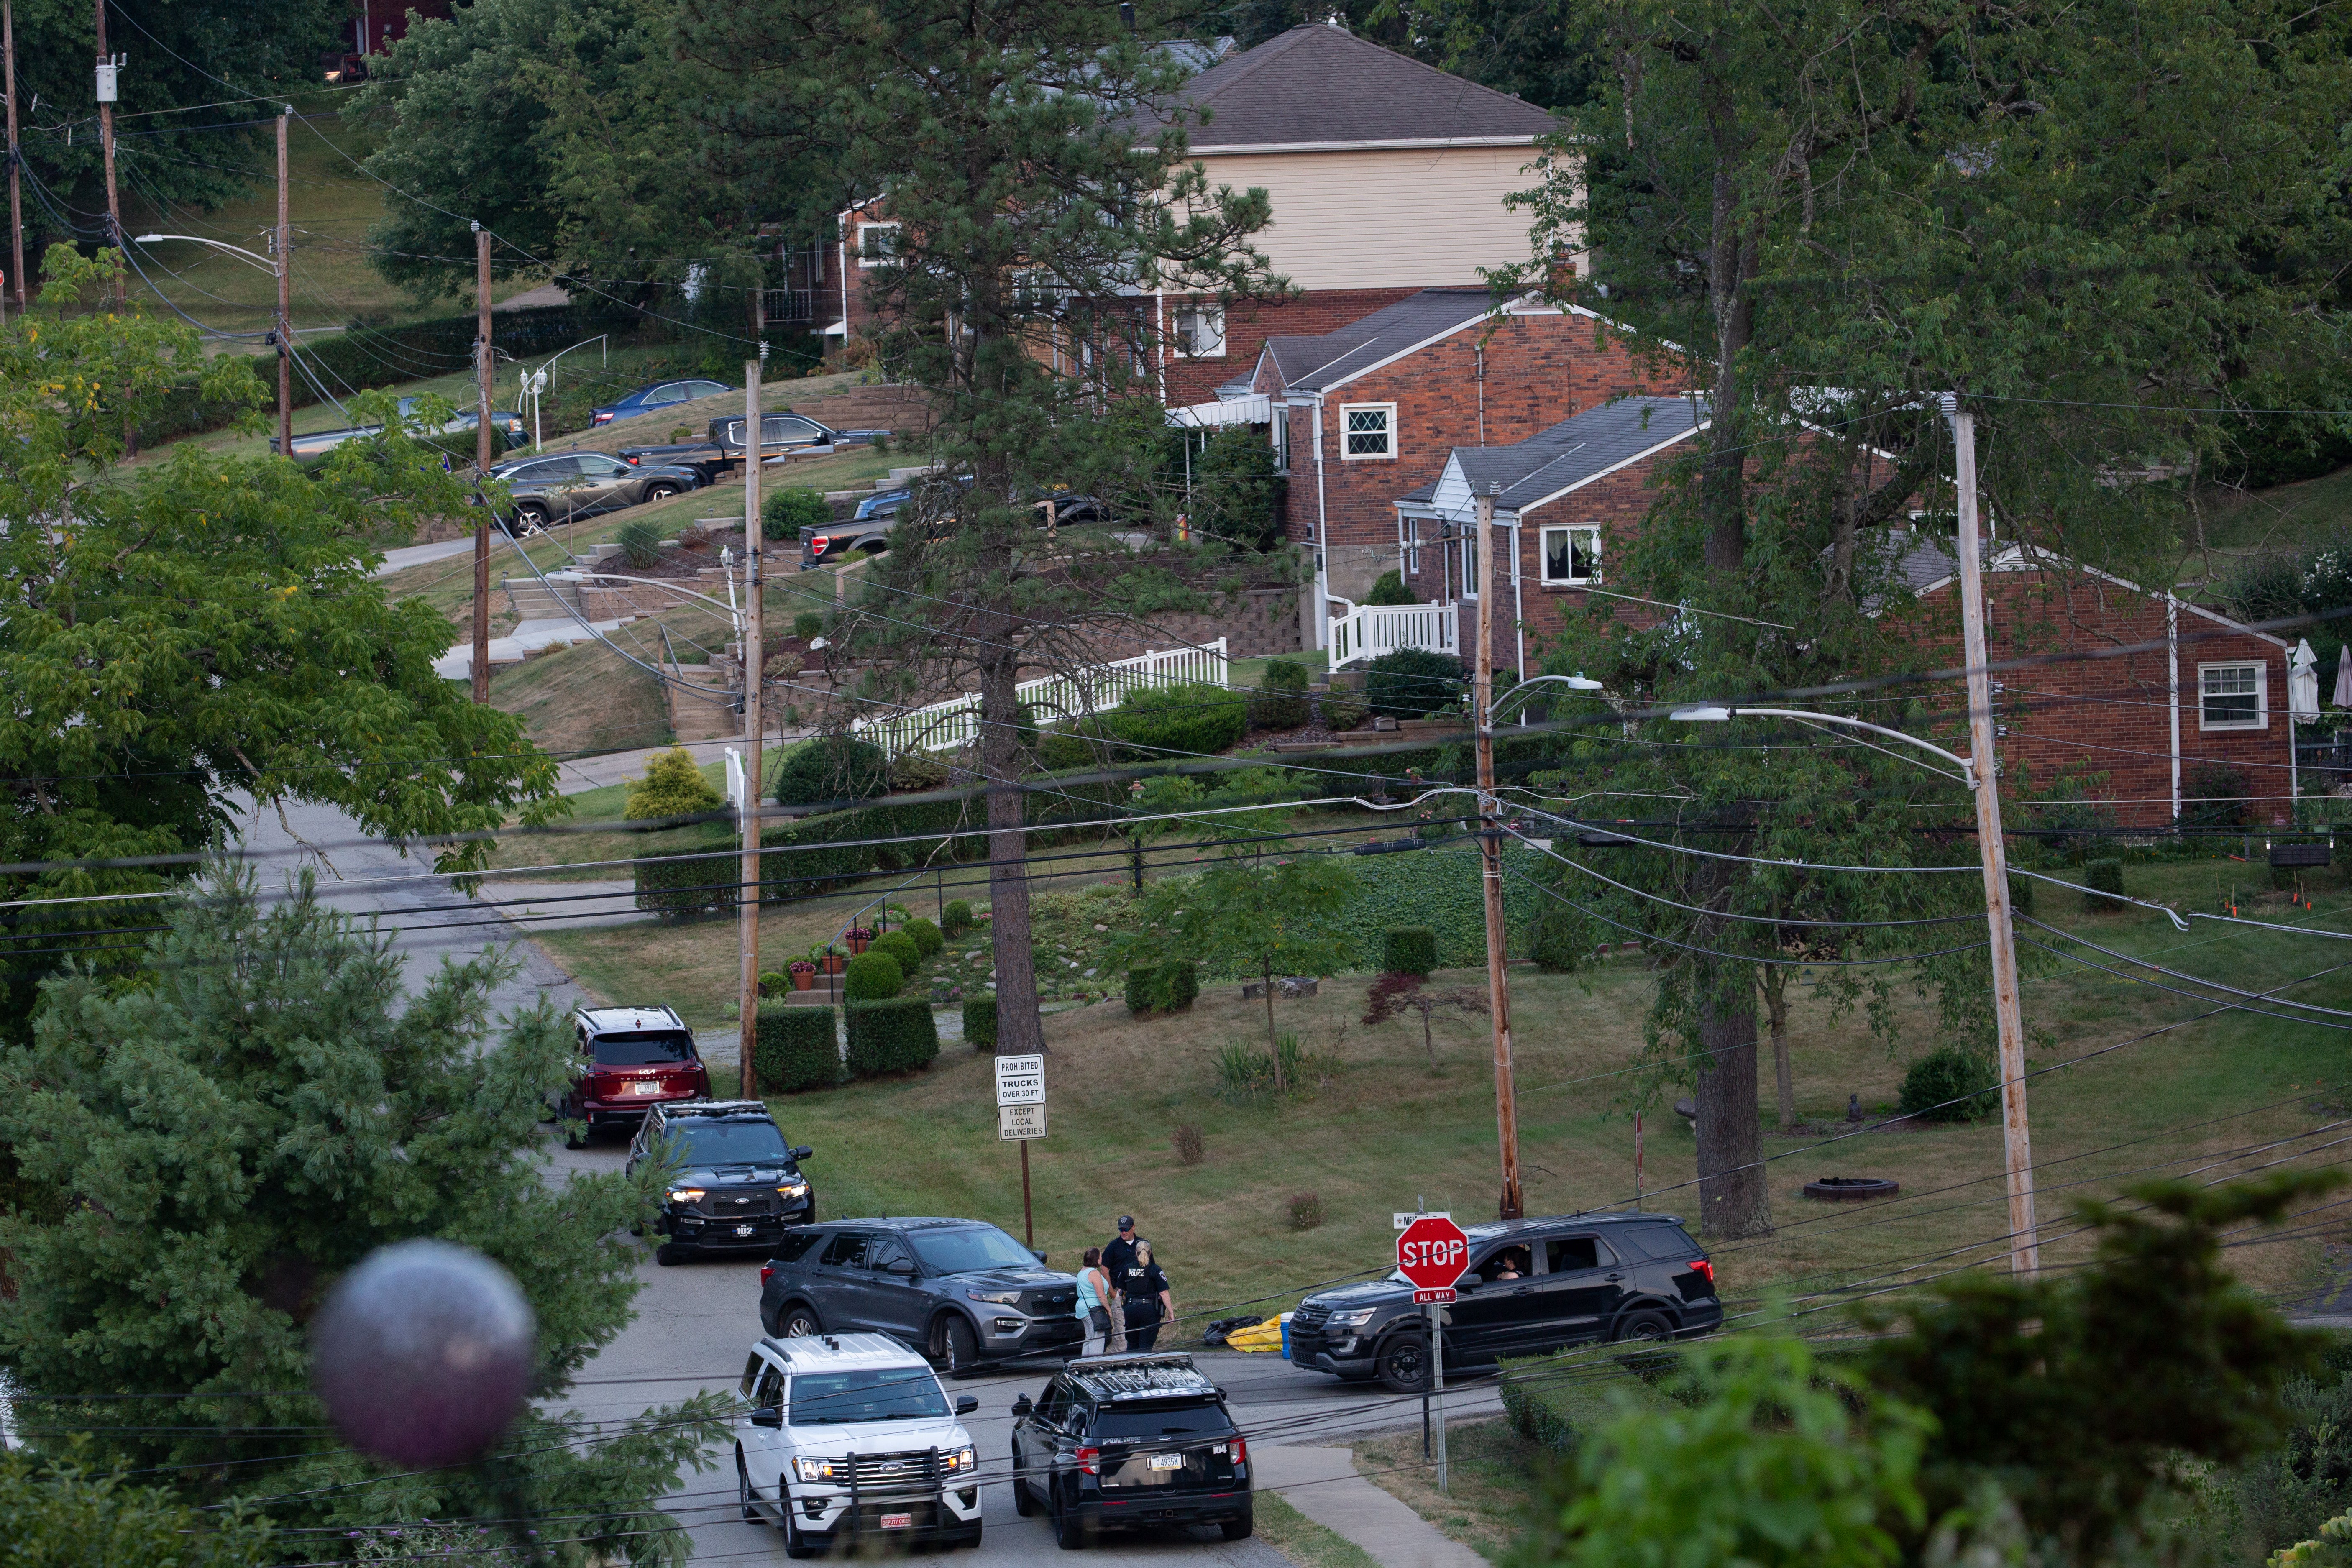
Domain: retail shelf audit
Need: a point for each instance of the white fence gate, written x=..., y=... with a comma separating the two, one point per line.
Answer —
x=1368, y=631
x=943, y=726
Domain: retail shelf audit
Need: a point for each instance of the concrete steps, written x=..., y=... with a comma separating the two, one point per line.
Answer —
x=693, y=717
x=558, y=600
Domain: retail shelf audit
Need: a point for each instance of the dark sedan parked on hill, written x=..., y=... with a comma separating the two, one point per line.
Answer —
x=561, y=486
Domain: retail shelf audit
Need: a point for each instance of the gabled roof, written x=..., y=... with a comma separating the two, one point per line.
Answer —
x=1320, y=86
x=1919, y=567
x=1322, y=361
x=1575, y=451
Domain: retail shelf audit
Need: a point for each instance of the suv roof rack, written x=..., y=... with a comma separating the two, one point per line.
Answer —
x=602, y=1020
x=715, y=1108
x=1140, y=1376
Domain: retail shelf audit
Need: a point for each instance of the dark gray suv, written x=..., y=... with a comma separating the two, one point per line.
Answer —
x=958, y=1290
x=559, y=485
x=1533, y=1285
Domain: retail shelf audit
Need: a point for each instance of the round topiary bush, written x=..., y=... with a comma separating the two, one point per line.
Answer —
x=808, y=626
x=785, y=512
x=1409, y=950
x=872, y=976
x=900, y=946
x=1412, y=683
x=831, y=767
x=1389, y=588
x=956, y=919
x=673, y=786
x=1950, y=1083
x=928, y=939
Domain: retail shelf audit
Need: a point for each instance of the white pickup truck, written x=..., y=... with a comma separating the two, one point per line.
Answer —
x=851, y=1439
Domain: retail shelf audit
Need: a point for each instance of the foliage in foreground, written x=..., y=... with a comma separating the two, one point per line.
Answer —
x=60, y=1516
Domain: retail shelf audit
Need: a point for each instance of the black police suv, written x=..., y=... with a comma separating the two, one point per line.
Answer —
x=738, y=1186
x=1126, y=1441
x=959, y=1290
x=1533, y=1285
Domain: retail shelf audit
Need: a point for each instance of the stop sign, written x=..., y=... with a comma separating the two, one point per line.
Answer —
x=1431, y=1252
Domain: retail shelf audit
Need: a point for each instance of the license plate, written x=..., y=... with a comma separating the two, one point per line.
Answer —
x=1167, y=1461
x=743, y=1230
x=646, y=1085
x=897, y=1521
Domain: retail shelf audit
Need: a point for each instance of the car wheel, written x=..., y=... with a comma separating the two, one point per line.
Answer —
x=743, y=1499
x=1023, y=1503
x=958, y=1346
x=800, y=1321
x=1239, y=1529
x=1641, y=1328
x=531, y=517
x=1070, y=1531
x=660, y=491
x=669, y=1253
x=794, y=1545
x=1403, y=1364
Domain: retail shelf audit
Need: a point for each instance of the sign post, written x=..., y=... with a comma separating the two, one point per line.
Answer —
x=1432, y=1254
x=1020, y=1116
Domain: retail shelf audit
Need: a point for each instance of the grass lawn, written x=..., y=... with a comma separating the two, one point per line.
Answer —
x=1380, y=1126
x=1302, y=1539
x=584, y=699
x=2282, y=516
x=1491, y=1477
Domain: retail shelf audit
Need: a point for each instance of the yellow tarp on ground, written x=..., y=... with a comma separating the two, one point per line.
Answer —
x=1266, y=1336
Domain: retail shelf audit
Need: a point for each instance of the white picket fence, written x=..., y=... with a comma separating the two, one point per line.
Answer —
x=1368, y=631
x=944, y=726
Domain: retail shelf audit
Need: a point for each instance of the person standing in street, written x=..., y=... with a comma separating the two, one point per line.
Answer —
x=1120, y=1256
x=1099, y=1309
x=1150, y=1301
x=1128, y=1304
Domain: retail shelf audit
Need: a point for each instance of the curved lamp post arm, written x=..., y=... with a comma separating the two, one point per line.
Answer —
x=1967, y=769
x=259, y=260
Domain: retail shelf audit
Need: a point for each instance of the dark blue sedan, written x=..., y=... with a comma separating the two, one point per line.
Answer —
x=661, y=394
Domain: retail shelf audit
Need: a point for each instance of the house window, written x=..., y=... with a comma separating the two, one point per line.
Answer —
x=1469, y=564
x=876, y=243
x=1281, y=434
x=1571, y=555
x=1368, y=430
x=2232, y=697
x=1201, y=331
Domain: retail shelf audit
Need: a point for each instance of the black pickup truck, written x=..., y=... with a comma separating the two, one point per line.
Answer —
x=782, y=435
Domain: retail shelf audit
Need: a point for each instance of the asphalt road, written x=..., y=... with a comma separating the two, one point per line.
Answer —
x=696, y=1322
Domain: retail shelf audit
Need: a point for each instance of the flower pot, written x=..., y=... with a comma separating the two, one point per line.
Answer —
x=832, y=963
x=858, y=940
x=803, y=979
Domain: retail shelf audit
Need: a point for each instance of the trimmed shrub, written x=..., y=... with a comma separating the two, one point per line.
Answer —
x=927, y=937
x=795, y=1049
x=900, y=946
x=808, y=626
x=872, y=977
x=774, y=982
x=915, y=771
x=2102, y=877
x=956, y=919
x=673, y=786
x=785, y=512
x=2213, y=794
x=1343, y=712
x=898, y=1035
x=1143, y=990
x=1180, y=983
x=1950, y=1083
x=831, y=767
x=681, y=888
x=640, y=542
x=980, y=1023
x=1076, y=746
x=1389, y=588
x=1280, y=702
x=1412, y=683
x=1194, y=717
x=1409, y=950
x=1528, y=1391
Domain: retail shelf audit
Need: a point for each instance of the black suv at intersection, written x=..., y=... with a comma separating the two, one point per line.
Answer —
x=1533, y=1285
x=1125, y=1441
x=738, y=1187
x=958, y=1290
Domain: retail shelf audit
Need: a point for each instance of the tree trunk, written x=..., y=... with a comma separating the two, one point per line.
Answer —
x=1019, y=1029
x=1734, y=1199
x=1776, y=1010
x=1273, y=1042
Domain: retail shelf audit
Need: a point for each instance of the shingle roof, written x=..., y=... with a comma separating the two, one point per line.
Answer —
x=1315, y=363
x=1317, y=84
x=1575, y=449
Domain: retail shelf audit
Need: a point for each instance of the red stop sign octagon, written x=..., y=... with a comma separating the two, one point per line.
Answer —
x=1431, y=1253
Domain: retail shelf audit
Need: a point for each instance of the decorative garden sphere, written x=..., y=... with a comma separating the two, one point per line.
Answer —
x=422, y=1354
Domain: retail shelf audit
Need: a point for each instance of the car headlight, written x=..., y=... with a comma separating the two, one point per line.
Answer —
x=964, y=1459
x=797, y=1190
x=1355, y=1320
x=685, y=1195
x=821, y=1470
x=996, y=1297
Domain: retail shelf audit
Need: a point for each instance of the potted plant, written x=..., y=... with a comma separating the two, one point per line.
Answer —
x=831, y=960
x=804, y=972
x=857, y=937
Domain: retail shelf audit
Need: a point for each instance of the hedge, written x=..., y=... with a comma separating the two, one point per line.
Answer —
x=2102, y=877
x=872, y=977
x=1529, y=1406
x=1167, y=987
x=1412, y=683
x=1950, y=1083
x=680, y=887
x=898, y=1035
x=1409, y=950
x=795, y=1049
x=980, y=1023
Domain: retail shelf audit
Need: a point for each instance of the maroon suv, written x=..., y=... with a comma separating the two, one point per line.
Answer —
x=631, y=1059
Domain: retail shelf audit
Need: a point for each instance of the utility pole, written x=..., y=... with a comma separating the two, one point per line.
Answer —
x=285, y=297
x=107, y=88
x=2017, y=1141
x=481, y=466
x=15, y=194
x=1490, y=857
x=754, y=726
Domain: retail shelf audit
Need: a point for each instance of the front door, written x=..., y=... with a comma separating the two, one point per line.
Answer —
x=897, y=1303
x=763, y=1446
x=1578, y=1293
x=1498, y=1297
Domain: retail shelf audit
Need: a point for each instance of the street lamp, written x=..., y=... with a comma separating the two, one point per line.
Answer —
x=1717, y=713
x=275, y=268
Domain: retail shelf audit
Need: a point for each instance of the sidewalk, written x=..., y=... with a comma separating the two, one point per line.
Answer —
x=1322, y=1484
x=528, y=637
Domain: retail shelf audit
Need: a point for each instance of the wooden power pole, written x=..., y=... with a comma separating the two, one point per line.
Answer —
x=108, y=87
x=482, y=465
x=16, y=193
x=1490, y=857
x=285, y=295
x=754, y=730
x=2017, y=1139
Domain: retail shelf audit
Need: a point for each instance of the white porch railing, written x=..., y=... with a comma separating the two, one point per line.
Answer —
x=1368, y=631
x=943, y=726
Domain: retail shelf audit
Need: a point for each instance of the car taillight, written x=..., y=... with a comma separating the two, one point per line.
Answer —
x=1090, y=1460
x=765, y=1270
x=633, y=462
x=604, y=419
x=1701, y=1267
x=1241, y=1450
x=819, y=546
